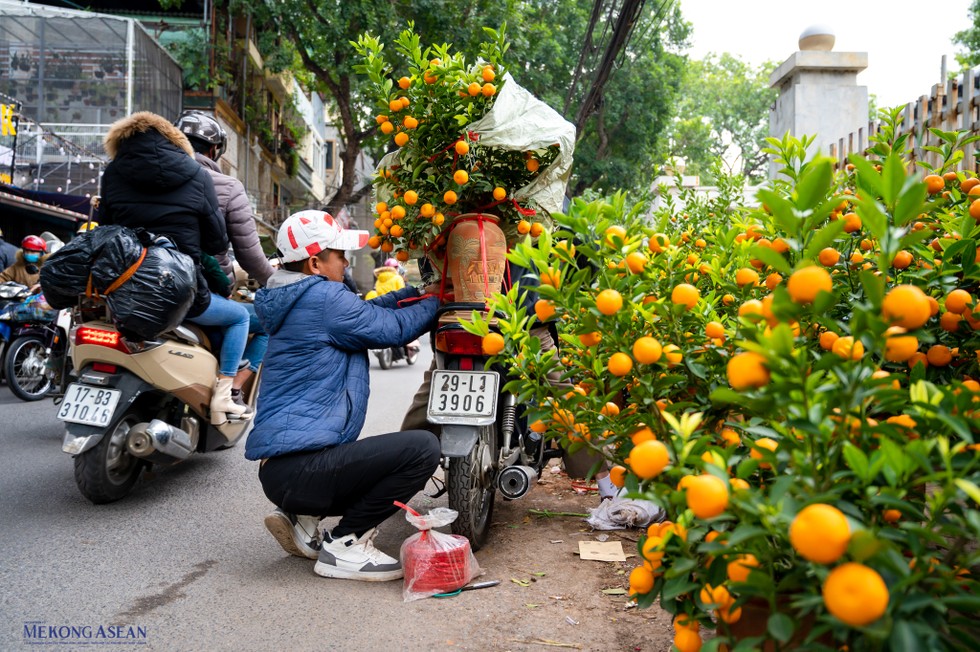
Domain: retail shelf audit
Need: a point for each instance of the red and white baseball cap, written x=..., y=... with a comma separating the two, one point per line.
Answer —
x=307, y=233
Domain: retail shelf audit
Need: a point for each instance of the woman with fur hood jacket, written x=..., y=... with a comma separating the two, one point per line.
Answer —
x=154, y=183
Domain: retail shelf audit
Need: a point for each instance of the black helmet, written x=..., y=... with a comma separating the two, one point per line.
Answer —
x=201, y=126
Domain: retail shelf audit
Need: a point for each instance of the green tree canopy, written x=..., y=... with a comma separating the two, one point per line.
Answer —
x=722, y=109
x=969, y=39
x=551, y=40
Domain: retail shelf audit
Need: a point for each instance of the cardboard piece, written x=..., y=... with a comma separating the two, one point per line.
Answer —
x=601, y=550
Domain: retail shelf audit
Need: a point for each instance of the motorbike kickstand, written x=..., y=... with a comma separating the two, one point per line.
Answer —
x=441, y=487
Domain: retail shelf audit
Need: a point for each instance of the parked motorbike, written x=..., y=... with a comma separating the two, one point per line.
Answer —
x=486, y=443
x=135, y=404
x=387, y=357
x=10, y=294
x=36, y=343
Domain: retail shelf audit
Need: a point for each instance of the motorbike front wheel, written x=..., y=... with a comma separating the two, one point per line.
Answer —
x=384, y=358
x=107, y=472
x=26, y=368
x=472, y=482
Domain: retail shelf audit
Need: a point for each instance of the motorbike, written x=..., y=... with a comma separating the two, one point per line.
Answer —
x=10, y=294
x=387, y=357
x=137, y=404
x=486, y=443
x=36, y=343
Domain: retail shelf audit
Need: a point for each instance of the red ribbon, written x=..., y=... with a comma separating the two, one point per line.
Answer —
x=469, y=134
x=526, y=212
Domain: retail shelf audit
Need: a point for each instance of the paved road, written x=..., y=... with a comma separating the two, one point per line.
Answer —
x=186, y=557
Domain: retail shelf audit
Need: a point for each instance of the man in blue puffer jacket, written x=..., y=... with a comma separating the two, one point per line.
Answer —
x=313, y=400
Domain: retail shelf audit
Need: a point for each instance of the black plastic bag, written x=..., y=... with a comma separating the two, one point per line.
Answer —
x=157, y=296
x=154, y=299
x=65, y=273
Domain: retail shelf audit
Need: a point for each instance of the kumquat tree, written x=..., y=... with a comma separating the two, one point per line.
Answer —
x=795, y=383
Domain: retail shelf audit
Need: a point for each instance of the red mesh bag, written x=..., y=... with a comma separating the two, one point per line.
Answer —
x=435, y=562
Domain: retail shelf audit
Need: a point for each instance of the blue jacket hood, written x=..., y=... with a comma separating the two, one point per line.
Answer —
x=273, y=303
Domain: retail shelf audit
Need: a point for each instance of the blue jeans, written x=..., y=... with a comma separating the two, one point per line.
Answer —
x=233, y=319
x=255, y=349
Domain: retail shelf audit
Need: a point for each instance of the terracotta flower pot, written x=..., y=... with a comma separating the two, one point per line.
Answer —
x=476, y=257
x=754, y=622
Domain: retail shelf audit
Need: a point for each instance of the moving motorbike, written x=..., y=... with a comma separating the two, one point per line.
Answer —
x=135, y=404
x=387, y=357
x=486, y=443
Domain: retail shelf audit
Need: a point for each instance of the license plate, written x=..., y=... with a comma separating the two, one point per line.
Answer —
x=466, y=397
x=92, y=406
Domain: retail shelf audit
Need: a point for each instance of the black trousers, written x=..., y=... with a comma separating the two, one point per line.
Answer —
x=358, y=481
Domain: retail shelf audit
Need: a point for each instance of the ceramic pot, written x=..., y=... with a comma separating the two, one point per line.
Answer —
x=476, y=255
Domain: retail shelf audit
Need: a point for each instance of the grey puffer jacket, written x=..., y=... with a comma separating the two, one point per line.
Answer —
x=240, y=223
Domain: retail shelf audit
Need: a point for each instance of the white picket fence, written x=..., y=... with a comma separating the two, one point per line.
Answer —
x=953, y=106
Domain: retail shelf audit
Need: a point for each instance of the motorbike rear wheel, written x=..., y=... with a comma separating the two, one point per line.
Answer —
x=107, y=472
x=26, y=368
x=385, y=358
x=472, y=482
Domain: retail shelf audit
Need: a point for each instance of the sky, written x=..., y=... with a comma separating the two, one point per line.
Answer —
x=904, y=43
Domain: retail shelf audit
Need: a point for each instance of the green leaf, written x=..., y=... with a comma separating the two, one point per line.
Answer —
x=857, y=460
x=903, y=638
x=874, y=286
x=873, y=219
x=823, y=238
x=910, y=204
x=969, y=488
x=772, y=258
x=743, y=533
x=815, y=184
x=893, y=178
x=867, y=177
x=780, y=627
x=782, y=210
x=677, y=586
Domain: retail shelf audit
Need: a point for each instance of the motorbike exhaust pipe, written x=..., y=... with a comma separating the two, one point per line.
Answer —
x=515, y=481
x=145, y=440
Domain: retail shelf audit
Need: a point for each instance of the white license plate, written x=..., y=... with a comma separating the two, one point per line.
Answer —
x=92, y=406
x=466, y=397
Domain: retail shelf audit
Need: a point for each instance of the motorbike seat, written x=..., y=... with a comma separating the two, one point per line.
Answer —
x=191, y=334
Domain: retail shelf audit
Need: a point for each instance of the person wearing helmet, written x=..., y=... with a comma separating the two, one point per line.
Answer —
x=85, y=227
x=313, y=402
x=26, y=269
x=152, y=182
x=8, y=253
x=209, y=140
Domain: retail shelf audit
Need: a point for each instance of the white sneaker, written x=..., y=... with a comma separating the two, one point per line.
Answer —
x=356, y=558
x=297, y=534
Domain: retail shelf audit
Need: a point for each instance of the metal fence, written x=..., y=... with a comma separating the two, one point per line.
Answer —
x=74, y=73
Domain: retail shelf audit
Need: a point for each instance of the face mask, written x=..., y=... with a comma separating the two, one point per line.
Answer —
x=32, y=256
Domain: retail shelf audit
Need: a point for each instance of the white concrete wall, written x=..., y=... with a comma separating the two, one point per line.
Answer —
x=818, y=96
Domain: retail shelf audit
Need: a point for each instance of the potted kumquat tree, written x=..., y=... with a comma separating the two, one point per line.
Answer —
x=795, y=383
x=475, y=152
